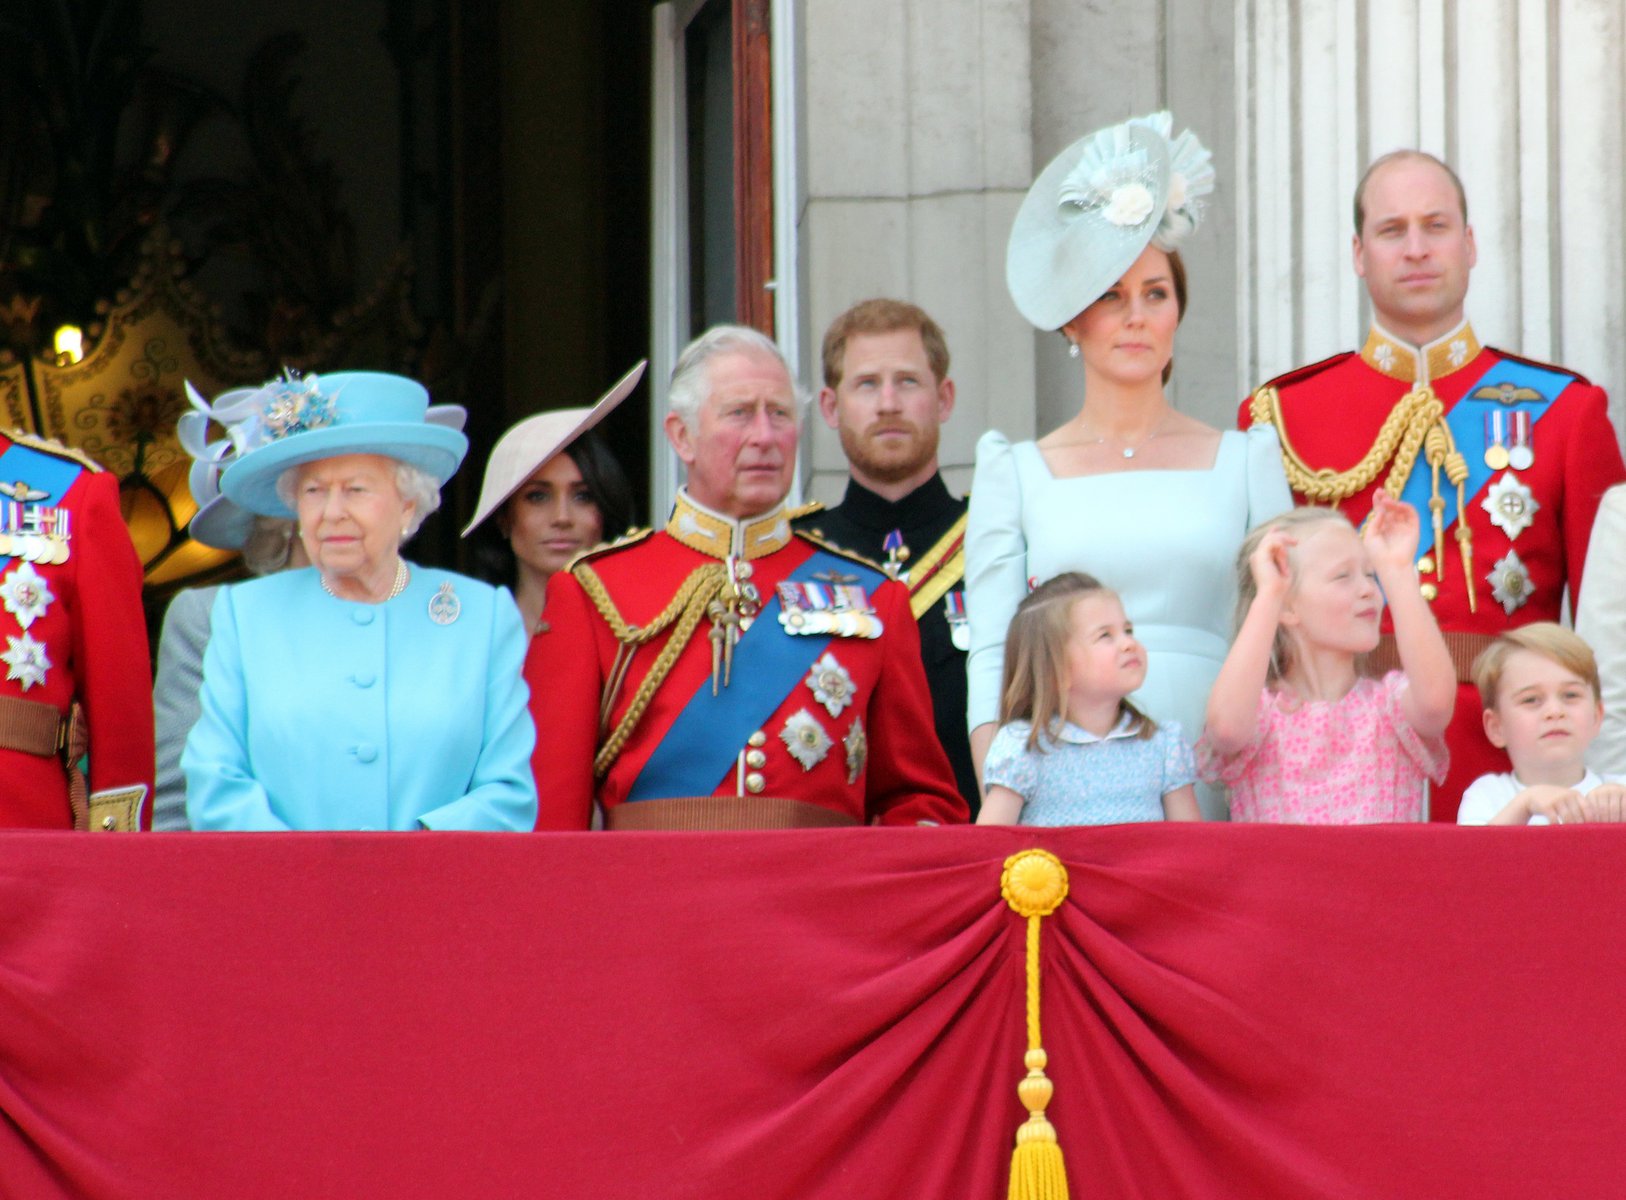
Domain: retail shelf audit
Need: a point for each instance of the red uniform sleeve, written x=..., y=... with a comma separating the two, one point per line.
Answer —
x=1592, y=465
x=562, y=669
x=111, y=665
x=908, y=779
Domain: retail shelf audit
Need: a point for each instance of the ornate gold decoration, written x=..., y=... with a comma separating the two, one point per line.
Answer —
x=1034, y=883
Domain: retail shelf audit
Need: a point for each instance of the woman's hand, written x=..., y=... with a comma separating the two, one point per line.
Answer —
x=1391, y=533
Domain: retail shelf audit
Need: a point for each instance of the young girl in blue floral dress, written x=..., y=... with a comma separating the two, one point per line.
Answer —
x=1071, y=749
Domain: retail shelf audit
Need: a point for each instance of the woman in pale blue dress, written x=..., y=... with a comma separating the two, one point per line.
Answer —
x=1150, y=501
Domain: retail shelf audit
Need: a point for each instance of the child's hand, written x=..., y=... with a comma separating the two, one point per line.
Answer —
x=1560, y=805
x=1272, y=572
x=1391, y=532
x=1606, y=802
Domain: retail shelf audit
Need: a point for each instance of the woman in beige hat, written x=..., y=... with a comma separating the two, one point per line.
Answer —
x=556, y=490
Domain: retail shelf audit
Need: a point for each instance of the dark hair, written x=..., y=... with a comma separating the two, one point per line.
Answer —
x=1177, y=272
x=1397, y=156
x=606, y=483
x=883, y=316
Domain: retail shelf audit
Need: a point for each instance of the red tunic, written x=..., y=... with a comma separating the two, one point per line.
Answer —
x=901, y=776
x=1333, y=411
x=95, y=639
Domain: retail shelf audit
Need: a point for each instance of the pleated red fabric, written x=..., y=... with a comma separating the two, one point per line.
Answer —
x=1229, y=1011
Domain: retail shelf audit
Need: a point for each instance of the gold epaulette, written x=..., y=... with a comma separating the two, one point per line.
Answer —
x=630, y=538
x=51, y=446
x=823, y=543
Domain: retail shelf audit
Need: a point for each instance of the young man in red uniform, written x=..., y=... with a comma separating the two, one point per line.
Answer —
x=72, y=639
x=727, y=672
x=1504, y=458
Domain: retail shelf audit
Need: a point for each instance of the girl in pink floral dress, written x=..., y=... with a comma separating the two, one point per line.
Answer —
x=1294, y=729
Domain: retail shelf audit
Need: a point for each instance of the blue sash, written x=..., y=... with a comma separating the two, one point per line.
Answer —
x=43, y=472
x=1467, y=423
x=703, y=744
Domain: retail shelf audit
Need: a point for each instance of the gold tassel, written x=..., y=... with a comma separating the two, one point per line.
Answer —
x=1034, y=883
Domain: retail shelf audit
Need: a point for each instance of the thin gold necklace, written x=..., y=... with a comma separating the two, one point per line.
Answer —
x=1130, y=448
x=396, y=589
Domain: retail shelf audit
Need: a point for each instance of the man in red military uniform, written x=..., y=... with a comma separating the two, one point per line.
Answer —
x=727, y=672
x=1505, y=459
x=74, y=642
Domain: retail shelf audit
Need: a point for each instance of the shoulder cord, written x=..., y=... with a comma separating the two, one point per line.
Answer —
x=1416, y=422
x=682, y=614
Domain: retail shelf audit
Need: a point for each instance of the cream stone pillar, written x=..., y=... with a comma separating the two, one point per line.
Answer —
x=1523, y=97
x=915, y=151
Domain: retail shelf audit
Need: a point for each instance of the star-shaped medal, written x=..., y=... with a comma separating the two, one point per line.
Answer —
x=805, y=738
x=1510, y=582
x=832, y=686
x=26, y=594
x=1511, y=505
x=26, y=659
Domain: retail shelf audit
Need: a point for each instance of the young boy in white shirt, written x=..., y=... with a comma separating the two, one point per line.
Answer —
x=1539, y=687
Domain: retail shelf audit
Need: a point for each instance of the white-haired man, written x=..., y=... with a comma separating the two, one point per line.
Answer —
x=726, y=672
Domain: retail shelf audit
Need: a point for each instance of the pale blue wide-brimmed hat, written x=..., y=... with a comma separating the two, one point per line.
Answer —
x=299, y=419
x=1096, y=207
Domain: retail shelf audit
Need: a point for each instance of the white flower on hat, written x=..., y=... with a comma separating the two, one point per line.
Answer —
x=1129, y=204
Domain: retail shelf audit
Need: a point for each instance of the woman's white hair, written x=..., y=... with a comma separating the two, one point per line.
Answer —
x=691, y=377
x=417, y=487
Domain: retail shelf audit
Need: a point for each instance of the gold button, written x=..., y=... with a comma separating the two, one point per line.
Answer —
x=1429, y=591
x=1425, y=564
x=743, y=570
x=756, y=759
x=757, y=739
x=754, y=783
x=110, y=823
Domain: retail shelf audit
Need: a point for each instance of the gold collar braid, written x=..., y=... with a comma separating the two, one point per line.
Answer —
x=704, y=585
x=1417, y=421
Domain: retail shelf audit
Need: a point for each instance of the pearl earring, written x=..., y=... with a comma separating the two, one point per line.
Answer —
x=1072, y=350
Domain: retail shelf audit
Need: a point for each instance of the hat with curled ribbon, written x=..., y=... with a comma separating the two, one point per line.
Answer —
x=298, y=419
x=1096, y=207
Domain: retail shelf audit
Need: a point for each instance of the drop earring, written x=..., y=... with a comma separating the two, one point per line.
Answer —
x=1072, y=349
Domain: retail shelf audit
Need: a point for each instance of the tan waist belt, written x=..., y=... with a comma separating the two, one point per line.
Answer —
x=32, y=726
x=1464, y=648
x=723, y=812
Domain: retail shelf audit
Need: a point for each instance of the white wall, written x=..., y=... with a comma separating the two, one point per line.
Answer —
x=1525, y=98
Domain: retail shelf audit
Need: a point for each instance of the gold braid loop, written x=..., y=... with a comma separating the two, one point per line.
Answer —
x=1398, y=440
x=682, y=614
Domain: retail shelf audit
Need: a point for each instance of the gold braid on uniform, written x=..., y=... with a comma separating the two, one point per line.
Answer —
x=1416, y=422
x=704, y=584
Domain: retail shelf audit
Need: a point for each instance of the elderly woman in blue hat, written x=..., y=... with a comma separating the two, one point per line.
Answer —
x=362, y=692
x=1152, y=502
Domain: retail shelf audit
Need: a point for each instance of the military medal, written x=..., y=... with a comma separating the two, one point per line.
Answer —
x=444, y=606
x=959, y=625
x=857, y=747
x=26, y=660
x=1521, y=457
x=1496, y=455
x=835, y=606
x=805, y=738
x=1510, y=504
x=1510, y=582
x=832, y=686
x=26, y=594
x=896, y=554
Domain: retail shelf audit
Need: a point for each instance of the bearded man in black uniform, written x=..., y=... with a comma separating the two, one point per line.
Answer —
x=887, y=393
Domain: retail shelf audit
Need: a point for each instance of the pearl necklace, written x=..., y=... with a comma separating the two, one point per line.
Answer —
x=399, y=586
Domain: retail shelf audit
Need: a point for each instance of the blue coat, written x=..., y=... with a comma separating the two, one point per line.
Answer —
x=320, y=713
